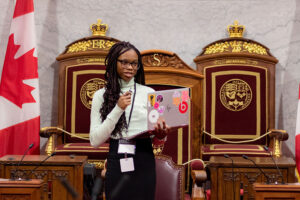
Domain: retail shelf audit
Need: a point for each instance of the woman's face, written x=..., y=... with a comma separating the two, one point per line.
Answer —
x=127, y=65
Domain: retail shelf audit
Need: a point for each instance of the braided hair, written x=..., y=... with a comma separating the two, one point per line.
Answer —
x=112, y=87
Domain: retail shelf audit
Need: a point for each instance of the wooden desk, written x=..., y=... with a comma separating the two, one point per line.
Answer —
x=31, y=189
x=245, y=175
x=54, y=168
x=290, y=191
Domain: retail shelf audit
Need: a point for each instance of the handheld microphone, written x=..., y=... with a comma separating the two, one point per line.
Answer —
x=233, y=187
x=279, y=172
x=97, y=188
x=267, y=177
x=27, y=176
x=68, y=187
x=17, y=167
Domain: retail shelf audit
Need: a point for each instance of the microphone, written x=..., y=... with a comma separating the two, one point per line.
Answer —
x=17, y=167
x=68, y=187
x=267, y=177
x=97, y=188
x=279, y=172
x=27, y=176
x=233, y=188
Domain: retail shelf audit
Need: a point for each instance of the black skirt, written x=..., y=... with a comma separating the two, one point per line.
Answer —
x=138, y=184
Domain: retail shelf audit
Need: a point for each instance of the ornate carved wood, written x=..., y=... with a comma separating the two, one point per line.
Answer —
x=50, y=172
x=246, y=58
x=245, y=175
x=80, y=72
x=167, y=69
x=282, y=192
x=25, y=190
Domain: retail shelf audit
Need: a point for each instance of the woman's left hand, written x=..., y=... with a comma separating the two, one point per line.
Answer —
x=161, y=131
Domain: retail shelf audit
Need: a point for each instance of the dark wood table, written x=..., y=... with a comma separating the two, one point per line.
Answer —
x=245, y=175
x=51, y=172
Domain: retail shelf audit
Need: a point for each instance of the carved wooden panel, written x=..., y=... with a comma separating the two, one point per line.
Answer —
x=50, y=172
x=245, y=175
x=16, y=197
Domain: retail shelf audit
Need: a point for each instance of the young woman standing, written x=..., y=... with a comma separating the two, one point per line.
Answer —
x=119, y=111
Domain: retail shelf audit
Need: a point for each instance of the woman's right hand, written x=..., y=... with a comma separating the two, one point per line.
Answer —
x=124, y=100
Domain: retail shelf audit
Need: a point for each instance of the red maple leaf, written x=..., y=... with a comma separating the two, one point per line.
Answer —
x=14, y=72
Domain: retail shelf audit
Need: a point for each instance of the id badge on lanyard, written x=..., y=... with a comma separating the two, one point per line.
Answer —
x=126, y=147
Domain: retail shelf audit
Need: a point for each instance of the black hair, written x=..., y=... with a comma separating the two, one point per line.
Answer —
x=112, y=87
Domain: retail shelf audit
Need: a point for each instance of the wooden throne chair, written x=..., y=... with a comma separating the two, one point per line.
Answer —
x=165, y=70
x=81, y=73
x=239, y=97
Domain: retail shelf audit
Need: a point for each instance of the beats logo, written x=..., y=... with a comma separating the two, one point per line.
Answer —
x=183, y=107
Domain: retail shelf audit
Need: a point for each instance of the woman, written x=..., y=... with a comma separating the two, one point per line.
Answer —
x=119, y=111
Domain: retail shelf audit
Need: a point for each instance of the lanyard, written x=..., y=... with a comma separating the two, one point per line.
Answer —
x=131, y=108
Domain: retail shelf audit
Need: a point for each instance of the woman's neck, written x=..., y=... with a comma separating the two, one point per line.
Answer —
x=125, y=84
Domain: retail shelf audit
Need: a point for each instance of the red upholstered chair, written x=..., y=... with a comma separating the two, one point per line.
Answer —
x=170, y=179
x=239, y=97
x=81, y=72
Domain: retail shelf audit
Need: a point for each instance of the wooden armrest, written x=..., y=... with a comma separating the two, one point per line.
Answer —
x=281, y=135
x=48, y=131
x=198, y=193
x=199, y=176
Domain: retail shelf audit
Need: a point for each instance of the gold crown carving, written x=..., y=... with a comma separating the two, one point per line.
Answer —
x=236, y=30
x=99, y=29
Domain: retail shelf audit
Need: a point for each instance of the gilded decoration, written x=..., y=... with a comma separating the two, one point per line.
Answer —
x=91, y=60
x=99, y=164
x=157, y=150
x=254, y=48
x=99, y=29
x=235, y=61
x=236, y=30
x=217, y=48
x=235, y=94
x=88, y=45
x=88, y=89
x=236, y=46
x=161, y=60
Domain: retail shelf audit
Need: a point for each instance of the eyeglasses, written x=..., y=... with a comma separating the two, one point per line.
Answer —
x=125, y=64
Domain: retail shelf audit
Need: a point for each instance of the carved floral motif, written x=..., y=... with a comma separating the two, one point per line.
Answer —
x=161, y=60
x=236, y=47
x=94, y=44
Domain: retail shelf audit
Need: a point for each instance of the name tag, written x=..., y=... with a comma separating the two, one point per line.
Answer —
x=126, y=148
x=127, y=164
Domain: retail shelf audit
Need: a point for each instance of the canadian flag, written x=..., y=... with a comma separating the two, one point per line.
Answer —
x=19, y=86
x=297, y=139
